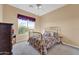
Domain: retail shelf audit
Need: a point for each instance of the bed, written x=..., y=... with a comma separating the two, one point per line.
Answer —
x=43, y=42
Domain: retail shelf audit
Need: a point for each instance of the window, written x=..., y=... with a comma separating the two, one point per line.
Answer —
x=31, y=24
x=25, y=23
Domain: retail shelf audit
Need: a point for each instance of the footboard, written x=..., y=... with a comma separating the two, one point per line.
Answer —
x=35, y=39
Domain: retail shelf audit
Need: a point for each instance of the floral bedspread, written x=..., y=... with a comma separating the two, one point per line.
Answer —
x=48, y=40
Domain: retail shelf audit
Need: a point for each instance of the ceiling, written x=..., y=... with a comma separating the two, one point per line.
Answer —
x=46, y=8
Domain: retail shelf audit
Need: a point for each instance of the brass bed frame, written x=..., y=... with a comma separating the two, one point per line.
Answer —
x=39, y=42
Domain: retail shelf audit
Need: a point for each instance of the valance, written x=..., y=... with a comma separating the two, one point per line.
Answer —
x=25, y=17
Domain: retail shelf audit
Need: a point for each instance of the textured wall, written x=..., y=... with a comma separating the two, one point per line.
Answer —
x=67, y=18
x=1, y=13
x=10, y=16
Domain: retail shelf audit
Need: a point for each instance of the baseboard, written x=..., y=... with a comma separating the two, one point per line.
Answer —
x=74, y=46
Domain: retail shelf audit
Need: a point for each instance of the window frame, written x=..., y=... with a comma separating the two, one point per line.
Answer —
x=25, y=18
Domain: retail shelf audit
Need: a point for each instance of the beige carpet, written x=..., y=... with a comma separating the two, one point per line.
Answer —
x=23, y=48
x=60, y=49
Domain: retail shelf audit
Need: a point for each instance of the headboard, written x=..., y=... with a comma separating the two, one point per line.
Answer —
x=53, y=29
